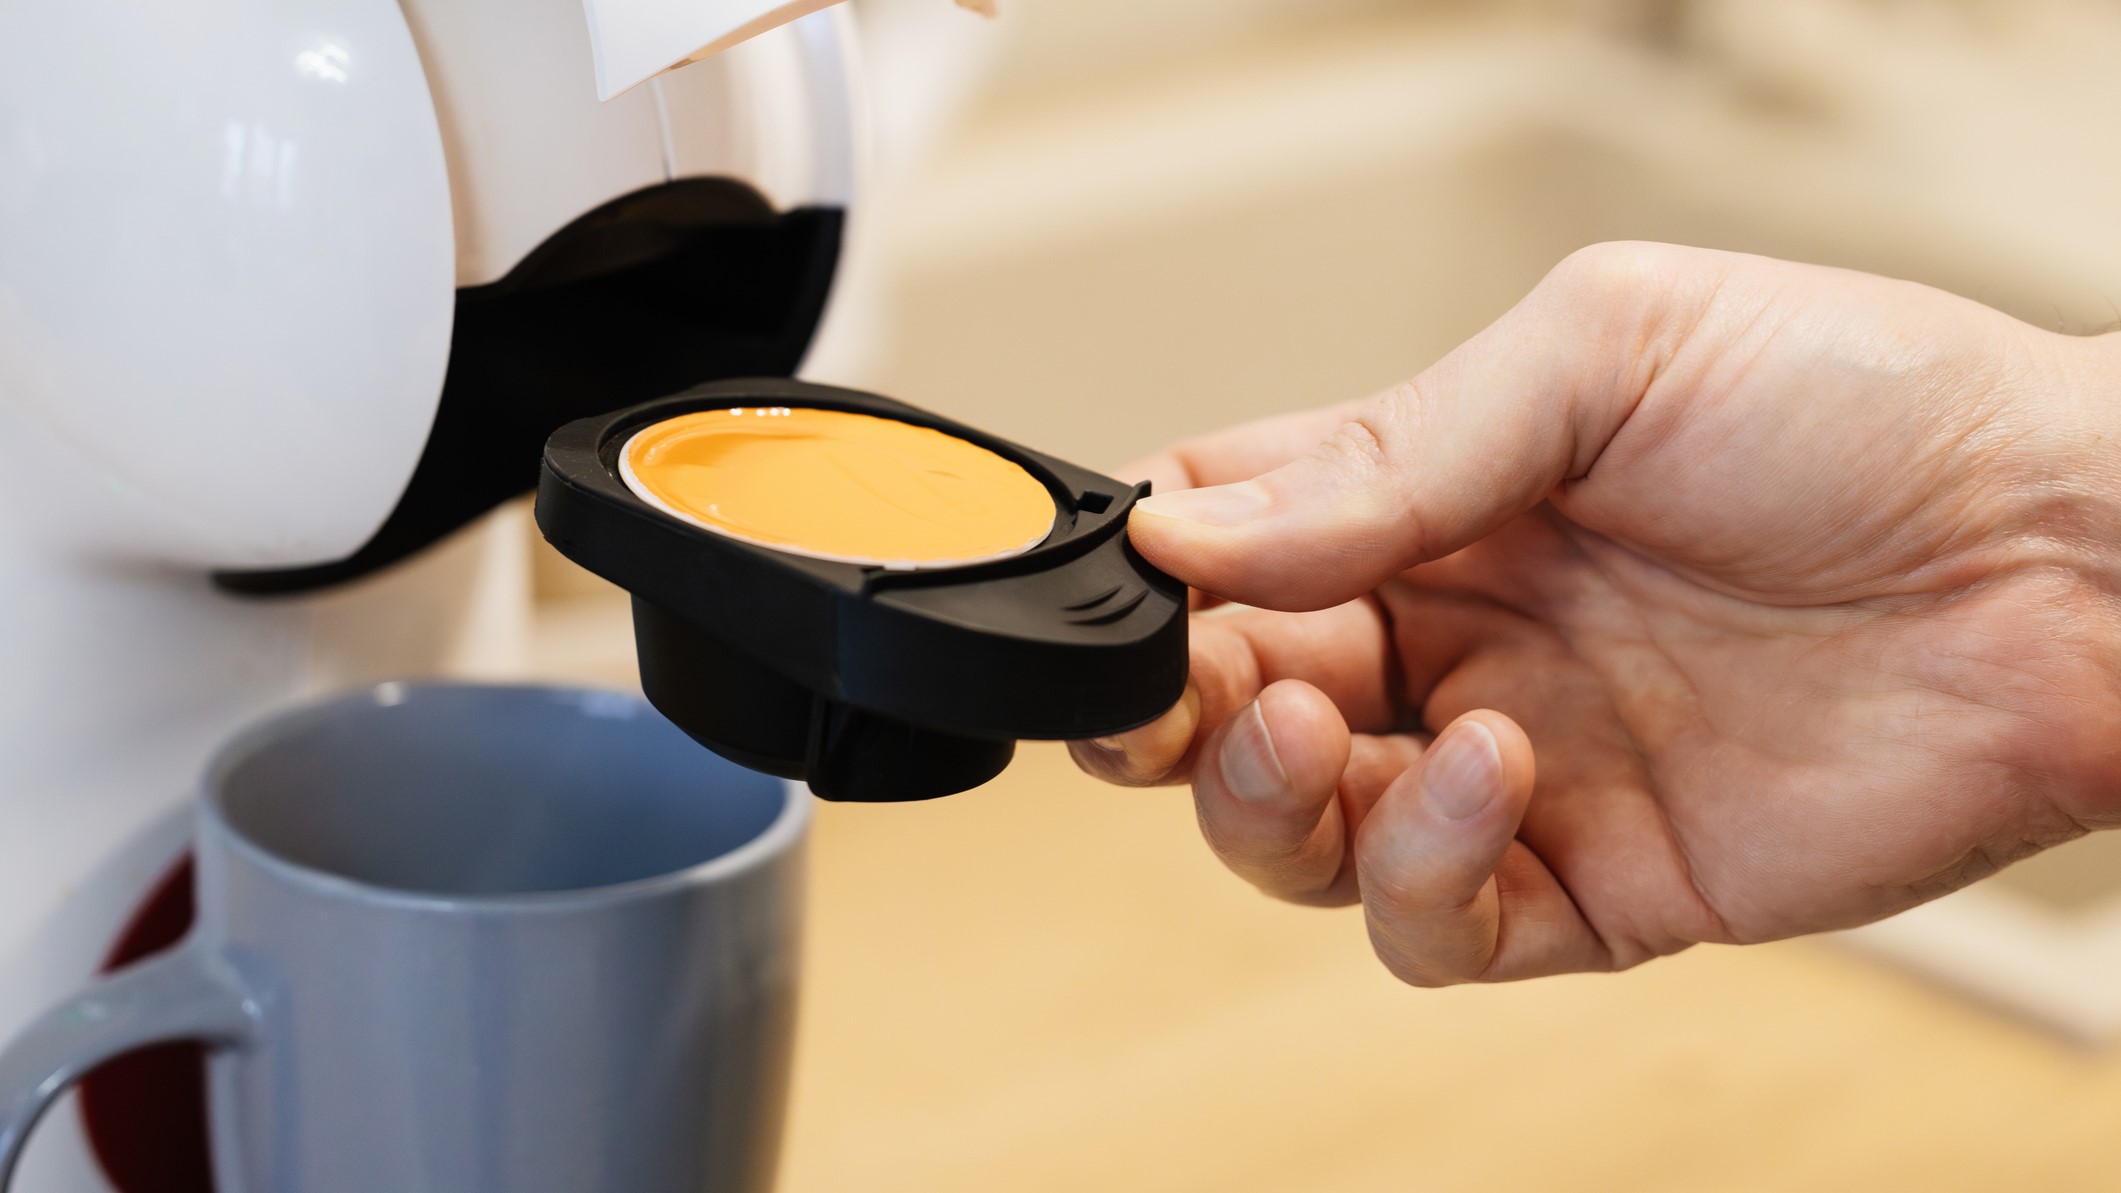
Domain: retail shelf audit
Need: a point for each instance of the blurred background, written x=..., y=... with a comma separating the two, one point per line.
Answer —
x=1098, y=225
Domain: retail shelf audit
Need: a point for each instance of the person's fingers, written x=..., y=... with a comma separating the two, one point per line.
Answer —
x=1376, y=659
x=1484, y=435
x=1265, y=791
x=1343, y=652
x=1234, y=454
x=1449, y=894
x=1375, y=762
x=1238, y=453
x=1596, y=826
x=1149, y=756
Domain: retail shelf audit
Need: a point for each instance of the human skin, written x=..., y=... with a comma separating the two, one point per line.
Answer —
x=1702, y=597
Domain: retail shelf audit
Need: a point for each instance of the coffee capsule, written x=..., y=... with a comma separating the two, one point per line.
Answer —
x=833, y=484
x=833, y=586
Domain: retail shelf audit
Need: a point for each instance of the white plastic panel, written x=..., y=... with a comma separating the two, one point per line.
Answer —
x=778, y=111
x=225, y=267
x=633, y=40
x=529, y=146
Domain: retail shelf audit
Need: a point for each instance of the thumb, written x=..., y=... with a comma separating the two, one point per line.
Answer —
x=1486, y=434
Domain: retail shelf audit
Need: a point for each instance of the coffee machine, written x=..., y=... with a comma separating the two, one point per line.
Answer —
x=290, y=290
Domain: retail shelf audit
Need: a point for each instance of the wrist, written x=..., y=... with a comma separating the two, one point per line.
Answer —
x=2077, y=481
x=2084, y=521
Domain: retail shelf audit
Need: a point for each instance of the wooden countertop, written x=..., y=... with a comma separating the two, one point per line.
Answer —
x=1048, y=985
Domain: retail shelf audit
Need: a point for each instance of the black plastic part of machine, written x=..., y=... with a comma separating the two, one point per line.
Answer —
x=680, y=282
x=870, y=683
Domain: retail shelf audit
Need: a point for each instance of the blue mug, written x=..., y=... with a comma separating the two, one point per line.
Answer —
x=474, y=938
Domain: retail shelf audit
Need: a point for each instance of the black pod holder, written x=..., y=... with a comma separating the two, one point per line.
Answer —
x=873, y=684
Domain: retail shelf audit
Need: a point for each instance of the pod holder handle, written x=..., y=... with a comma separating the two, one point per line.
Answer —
x=869, y=683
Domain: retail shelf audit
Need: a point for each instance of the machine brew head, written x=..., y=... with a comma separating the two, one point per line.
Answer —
x=872, y=682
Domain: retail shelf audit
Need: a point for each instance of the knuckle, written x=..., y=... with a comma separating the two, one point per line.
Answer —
x=1364, y=440
x=1364, y=456
x=1374, y=456
x=1615, y=271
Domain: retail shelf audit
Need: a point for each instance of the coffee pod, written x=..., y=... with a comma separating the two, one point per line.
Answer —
x=836, y=587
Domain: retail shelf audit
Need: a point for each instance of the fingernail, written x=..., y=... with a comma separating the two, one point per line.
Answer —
x=1463, y=772
x=1145, y=754
x=1251, y=769
x=1218, y=505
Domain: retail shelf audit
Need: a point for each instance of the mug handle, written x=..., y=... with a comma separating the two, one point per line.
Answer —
x=187, y=993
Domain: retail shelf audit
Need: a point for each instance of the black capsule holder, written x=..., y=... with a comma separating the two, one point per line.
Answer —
x=870, y=683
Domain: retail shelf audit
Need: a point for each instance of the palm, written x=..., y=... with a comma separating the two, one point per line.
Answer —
x=1714, y=766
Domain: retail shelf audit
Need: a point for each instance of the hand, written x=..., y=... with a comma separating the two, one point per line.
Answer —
x=1799, y=585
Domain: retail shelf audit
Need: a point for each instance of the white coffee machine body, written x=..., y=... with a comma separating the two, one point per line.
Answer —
x=235, y=236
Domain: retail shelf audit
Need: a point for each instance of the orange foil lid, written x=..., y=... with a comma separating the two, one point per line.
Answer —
x=835, y=485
